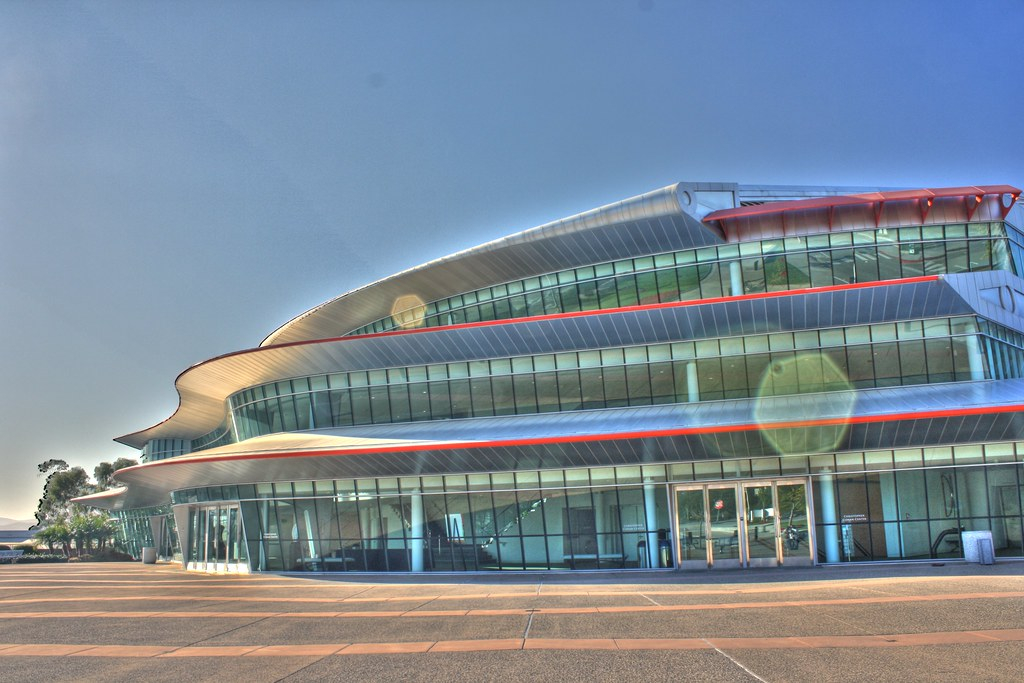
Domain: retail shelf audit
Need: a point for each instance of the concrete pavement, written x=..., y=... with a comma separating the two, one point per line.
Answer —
x=115, y=622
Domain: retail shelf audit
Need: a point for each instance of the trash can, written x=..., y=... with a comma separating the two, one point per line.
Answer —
x=978, y=546
x=148, y=555
x=664, y=554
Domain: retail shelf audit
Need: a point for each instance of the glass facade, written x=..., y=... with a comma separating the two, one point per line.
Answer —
x=883, y=505
x=135, y=531
x=862, y=356
x=729, y=270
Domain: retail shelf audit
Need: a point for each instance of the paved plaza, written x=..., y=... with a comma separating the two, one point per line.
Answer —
x=115, y=622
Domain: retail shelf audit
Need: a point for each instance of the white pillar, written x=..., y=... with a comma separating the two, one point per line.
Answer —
x=736, y=278
x=692, y=388
x=309, y=534
x=890, y=511
x=263, y=538
x=651, y=513
x=416, y=532
x=974, y=358
x=826, y=487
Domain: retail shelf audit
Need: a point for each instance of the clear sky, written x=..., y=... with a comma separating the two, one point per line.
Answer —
x=179, y=178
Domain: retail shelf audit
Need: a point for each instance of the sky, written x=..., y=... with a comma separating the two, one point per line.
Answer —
x=177, y=179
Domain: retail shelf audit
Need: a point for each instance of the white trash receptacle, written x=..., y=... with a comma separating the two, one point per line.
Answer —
x=978, y=546
x=148, y=555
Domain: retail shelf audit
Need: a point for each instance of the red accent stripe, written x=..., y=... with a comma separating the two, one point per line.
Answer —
x=624, y=309
x=584, y=438
x=550, y=316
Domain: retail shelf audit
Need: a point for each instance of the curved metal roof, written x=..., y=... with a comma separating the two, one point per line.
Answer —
x=657, y=221
x=204, y=388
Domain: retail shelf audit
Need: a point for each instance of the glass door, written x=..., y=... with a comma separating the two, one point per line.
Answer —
x=761, y=525
x=743, y=524
x=795, y=524
x=723, y=526
x=218, y=539
x=692, y=531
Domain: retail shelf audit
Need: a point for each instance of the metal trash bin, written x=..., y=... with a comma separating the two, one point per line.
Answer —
x=148, y=555
x=978, y=546
x=664, y=554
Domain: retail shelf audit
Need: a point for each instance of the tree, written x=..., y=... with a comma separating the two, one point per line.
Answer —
x=61, y=486
x=105, y=470
x=56, y=534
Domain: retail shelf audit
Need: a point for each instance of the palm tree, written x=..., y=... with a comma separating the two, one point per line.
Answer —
x=56, y=534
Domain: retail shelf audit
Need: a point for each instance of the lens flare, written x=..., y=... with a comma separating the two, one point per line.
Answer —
x=783, y=396
x=408, y=311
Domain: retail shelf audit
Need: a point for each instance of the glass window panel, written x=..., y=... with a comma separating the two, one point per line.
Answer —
x=419, y=401
x=482, y=399
x=889, y=262
x=912, y=362
x=502, y=392
x=440, y=400
x=662, y=383
x=399, y=399
x=569, y=390
x=615, y=391
x=592, y=388
x=525, y=394
x=380, y=408
x=547, y=392
x=461, y=404
x=638, y=383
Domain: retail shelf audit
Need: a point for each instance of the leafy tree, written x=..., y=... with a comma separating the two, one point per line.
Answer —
x=61, y=486
x=53, y=464
x=105, y=470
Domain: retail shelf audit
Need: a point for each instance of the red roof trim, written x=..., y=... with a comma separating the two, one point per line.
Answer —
x=771, y=208
x=586, y=438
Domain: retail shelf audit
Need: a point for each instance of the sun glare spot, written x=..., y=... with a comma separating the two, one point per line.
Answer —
x=408, y=311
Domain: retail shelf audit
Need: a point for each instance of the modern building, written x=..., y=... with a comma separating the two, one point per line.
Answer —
x=707, y=375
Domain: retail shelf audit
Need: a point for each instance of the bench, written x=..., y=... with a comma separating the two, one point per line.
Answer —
x=10, y=555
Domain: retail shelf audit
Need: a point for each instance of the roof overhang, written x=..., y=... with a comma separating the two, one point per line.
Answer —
x=866, y=419
x=204, y=388
x=657, y=221
x=862, y=211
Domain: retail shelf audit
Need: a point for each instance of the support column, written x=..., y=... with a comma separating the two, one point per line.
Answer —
x=416, y=532
x=735, y=278
x=692, y=388
x=651, y=515
x=890, y=511
x=827, y=489
x=974, y=358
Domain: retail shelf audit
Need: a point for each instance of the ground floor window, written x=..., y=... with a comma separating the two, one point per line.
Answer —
x=907, y=504
x=917, y=514
x=557, y=528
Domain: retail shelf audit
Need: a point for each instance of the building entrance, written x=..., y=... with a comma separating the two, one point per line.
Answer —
x=763, y=523
x=216, y=541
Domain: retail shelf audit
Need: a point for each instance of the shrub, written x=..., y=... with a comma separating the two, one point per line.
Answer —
x=38, y=558
x=107, y=555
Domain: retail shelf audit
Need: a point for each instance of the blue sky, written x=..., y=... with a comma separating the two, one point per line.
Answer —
x=177, y=179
